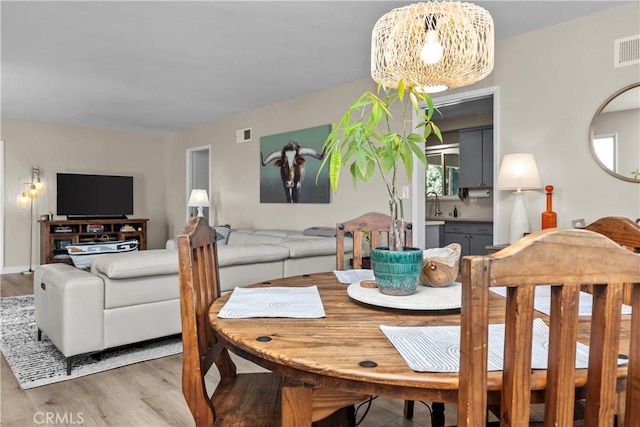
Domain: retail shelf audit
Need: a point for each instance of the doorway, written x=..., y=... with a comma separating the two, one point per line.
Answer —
x=198, y=177
x=418, y=183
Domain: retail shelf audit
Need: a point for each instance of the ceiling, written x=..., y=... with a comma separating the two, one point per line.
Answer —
x=162, y=66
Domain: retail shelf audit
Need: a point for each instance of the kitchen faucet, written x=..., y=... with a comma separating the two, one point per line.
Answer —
x=438, y=212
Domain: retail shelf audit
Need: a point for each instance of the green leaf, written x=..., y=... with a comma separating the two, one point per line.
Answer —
x=418, y=151
x=407, y=159
x=415, y=138
x=436, y=130
x=334, y=170
x=414, y=101
x=361, y=162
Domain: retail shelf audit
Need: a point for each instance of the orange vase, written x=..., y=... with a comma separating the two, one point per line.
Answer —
x=549, y=217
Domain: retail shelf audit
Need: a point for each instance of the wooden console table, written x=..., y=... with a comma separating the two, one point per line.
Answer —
x=56, y=235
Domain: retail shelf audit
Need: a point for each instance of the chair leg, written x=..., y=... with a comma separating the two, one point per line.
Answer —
x=69, y=364
x=437, y=414
x=408, y=409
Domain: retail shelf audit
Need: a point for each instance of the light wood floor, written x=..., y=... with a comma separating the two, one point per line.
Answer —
x=143, y=394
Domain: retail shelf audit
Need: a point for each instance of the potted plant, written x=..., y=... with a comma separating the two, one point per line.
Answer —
x=369, y=137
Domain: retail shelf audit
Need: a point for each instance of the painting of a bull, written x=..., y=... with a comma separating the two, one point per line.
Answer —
x=282, y=176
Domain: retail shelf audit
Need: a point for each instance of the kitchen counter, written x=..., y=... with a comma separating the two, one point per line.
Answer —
x=442, y=220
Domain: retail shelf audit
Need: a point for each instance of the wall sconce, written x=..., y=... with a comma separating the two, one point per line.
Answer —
x=31, y=191
x=198, y=199
x=518, y=172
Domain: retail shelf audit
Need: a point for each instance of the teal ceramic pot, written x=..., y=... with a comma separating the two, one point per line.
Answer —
x=397, y=273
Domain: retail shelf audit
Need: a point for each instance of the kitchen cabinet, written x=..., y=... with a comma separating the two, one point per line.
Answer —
x=472, y=236
x=434, y=234
x=476, y=158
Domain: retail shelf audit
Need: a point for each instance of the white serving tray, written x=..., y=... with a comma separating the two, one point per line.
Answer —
x=425, y=298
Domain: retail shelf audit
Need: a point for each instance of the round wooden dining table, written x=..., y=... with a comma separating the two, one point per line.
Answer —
x=347, y=350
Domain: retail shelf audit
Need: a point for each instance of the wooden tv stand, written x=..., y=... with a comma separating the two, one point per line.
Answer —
x=56, y=235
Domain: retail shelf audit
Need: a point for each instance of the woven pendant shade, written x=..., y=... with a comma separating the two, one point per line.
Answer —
x=464, y=30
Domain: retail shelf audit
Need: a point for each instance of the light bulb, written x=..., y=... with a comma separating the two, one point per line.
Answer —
x=39, y=185
x=24, y=199
x=432, y=50
x=33, y=191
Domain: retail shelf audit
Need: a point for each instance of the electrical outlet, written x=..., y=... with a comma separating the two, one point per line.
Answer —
x=578, y=223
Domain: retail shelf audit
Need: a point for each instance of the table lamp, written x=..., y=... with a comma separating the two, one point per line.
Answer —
x=518, y=172
x=198, y=199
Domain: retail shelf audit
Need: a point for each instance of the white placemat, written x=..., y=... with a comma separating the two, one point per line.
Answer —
x=437, y=348
x=542, y=301
x=303, y=303
x=425, y=298
x=352, y=276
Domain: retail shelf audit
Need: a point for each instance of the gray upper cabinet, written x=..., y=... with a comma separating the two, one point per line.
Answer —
x=476, y=157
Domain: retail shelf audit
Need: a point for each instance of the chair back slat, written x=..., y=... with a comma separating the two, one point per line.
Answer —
x=603, y=354
x=566, y=260
x=632, y=403
x=622, y=231
x=375, y=226
x=517, y=339
x=563, y=333
x=199, y=288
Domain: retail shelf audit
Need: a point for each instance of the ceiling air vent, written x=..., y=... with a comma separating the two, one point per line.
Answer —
x=626, y=51
x=243, y=135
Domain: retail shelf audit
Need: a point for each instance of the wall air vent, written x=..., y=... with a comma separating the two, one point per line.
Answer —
x=243, y=135
x=626, y=51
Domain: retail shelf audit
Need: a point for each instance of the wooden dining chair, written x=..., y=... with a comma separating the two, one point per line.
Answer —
x=624, y=232
x=564, y=259
x=375, y=227
x=239, y=399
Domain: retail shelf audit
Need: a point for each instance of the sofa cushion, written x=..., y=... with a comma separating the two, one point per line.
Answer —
x=320, y=231
x=154, y=262
x=251, y=253
x=139, y=290
x=278, y=233
x=247, y=237
x=314, y=246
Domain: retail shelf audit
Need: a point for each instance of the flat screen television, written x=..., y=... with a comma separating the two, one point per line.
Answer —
x=96, y=196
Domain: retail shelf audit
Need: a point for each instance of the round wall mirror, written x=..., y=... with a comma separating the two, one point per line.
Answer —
x=614, y=134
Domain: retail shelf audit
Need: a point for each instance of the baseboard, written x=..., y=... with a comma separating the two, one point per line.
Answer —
x=15, y=269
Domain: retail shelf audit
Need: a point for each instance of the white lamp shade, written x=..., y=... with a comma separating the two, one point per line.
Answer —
x=198, y=199
x=518, y=171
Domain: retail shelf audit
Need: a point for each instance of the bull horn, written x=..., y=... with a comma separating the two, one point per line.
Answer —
x=270, y=158
x=305, y=151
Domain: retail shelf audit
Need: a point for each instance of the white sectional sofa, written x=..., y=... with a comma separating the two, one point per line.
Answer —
x=134, y=296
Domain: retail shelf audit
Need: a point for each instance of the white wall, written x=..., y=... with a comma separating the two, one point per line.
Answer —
x=235, y=168
x=551, y=82
x=61, y=148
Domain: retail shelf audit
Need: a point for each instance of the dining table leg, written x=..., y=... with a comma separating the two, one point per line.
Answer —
x=297, y=405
